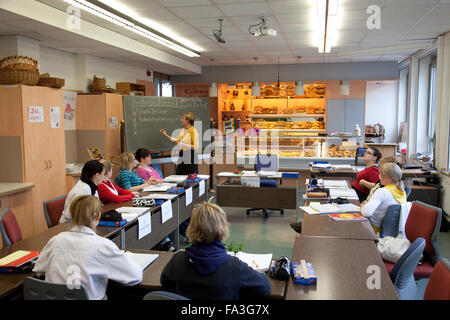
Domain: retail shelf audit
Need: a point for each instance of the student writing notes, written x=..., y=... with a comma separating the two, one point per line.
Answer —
x=205, y=270
x=108, y=191
x=81, y=253
x=92, y=175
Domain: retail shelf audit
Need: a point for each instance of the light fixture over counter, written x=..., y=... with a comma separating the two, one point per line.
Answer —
x=326, y=24
x=299, y=88
x=213, y=90
x=344, y=88
x=120, y=19
x=256, y=89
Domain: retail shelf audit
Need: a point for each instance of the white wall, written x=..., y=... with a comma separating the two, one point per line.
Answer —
x=59, y=64
x=381, y=106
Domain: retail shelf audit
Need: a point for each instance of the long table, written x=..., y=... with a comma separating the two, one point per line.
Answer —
x=351, y=173
x=343, y=268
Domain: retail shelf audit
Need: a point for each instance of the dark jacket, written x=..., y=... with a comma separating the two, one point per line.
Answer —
x=232, y=279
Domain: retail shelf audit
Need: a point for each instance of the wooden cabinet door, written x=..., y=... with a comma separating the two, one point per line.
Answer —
x=44, y=150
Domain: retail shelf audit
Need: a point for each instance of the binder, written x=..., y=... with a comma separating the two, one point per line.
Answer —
x=19, y=261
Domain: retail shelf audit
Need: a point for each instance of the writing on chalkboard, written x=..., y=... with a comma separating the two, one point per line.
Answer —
x=145, y=116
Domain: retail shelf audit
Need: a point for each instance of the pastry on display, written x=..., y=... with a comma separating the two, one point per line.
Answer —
x=258, y=110
x=300, y=109
x=288, y=111
x=311, y=110
x=268, y=91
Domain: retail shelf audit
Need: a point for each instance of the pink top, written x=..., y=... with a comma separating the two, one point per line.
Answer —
x=146, y=173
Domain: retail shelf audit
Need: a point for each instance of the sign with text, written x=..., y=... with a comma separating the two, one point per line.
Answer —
x=36, y=114
x=166, y=211
x=55, y=122
x=145, y=225
x=201, y=188
x=188, y=196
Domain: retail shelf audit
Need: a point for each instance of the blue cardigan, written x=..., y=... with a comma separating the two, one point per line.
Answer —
x=129, y=179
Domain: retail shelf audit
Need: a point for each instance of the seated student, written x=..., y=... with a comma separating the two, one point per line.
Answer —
x=367, y=178
x=205, y=270
x=128, y=179
x=144, y=170
x=92, y=175
x=392, y=193
x=108, y=191
x=81, y=251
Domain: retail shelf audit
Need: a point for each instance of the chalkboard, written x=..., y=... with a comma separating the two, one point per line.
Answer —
x=145, y=116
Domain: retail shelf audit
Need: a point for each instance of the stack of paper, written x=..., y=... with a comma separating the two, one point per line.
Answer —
x=131, y=213
x=142, y=259
x=203, y=176
x=325, y=208
x=259, y=262
x=335, y=184
x=175, y=178
x=267, y=173
x=343, y=193
x=163, y=196
x=342, y=167
x=159, y=187
x=228, y=174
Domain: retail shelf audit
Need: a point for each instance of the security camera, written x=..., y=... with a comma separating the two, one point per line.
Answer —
x=218, y=33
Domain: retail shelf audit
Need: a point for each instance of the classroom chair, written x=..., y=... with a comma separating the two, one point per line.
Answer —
x=9, y=228
x=37, y=289
x=438, y=287
x=423, y=221
x=53, y=210
x=407, y=191
x=402, y=274
x=266, y=163
x=163, y=295
x=389, y=225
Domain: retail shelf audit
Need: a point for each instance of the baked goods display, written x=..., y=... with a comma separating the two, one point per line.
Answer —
x=315, y=91
x=336, y=152
x=304, y=124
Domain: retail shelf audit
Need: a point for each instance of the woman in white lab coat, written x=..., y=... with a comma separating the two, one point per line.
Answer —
x=92, y=174
x=81, y=257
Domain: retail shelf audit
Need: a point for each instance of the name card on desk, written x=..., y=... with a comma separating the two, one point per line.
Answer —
x=188, y=196
x=201, y=188
x=145, y=225
x=166, y=211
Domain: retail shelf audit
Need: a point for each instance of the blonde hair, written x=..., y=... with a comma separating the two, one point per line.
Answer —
x=190, y=117
x=208, y=224
x=106, y=164
x=84, y=210
x=392, y=171
x=126, y=160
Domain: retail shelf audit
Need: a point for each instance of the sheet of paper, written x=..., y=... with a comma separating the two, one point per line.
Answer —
x=35, y=114
x=142, y=259
x=159, y=187
x=259, y=262
x=13, y=257
x=166, y=211
x=203, y=176
x=131, y=210
x=342, y=167
x=248, y=172
x=163, y=196
x=310, y=210
x=335, y=184
x=349, y=207
x=201, y=188
x=326, y=208
x=321, y=165
x=55, y=120
x=267, y=173
x=144, y=225
x=188, y=196
x=175, y=178
x=228, y=174
x=343, y=193
x=129, y=216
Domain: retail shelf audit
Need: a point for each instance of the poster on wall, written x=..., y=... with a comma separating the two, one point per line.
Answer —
x=70, y=101
x=36, y=114
x=54, y=118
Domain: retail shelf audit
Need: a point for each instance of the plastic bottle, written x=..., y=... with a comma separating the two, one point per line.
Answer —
x=357, y=131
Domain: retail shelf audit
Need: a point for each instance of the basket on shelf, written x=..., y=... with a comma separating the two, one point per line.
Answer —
x=9, y=77
x=46, y=81
x=19, y=63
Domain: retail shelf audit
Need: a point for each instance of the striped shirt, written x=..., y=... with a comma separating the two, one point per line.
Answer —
x=129, y=179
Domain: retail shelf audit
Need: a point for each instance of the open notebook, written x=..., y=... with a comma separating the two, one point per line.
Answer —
x=142, y=259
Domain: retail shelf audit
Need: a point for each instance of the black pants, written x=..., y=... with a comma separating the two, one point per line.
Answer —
x=361, y=195
x=187, y=168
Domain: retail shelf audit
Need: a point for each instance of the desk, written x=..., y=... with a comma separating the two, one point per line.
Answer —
x=351, y=173
x=341, y=269
x=152, y=275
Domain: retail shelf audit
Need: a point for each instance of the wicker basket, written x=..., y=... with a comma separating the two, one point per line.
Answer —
x=99, y=82
x=19, y=77
x=51, y=82
x=19, y=63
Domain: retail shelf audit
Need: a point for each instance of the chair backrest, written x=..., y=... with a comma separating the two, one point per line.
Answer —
x=389, y=225
x=53, y=210
x=9, y=228
x=402, y=274
x=163, y=295
x=425, y=221
x=36, y=289
x=407, y=191
x=269, y=162
x=438, y=287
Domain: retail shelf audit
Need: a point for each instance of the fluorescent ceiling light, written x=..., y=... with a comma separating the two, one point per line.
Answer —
x=109, y=16
x=326, y=24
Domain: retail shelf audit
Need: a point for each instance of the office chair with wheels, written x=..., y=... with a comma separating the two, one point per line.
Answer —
x=266, y=163
x=389, y=225
x=164, y=295
x=402, y=275
x=37, y=289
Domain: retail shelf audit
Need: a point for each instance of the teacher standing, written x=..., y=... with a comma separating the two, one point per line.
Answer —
x=188, y=142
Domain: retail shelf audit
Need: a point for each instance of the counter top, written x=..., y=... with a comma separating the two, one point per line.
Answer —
x=9, y=188
x=381, y=144
x=73, y=173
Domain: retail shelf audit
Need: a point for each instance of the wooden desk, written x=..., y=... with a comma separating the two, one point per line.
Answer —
x=341, y=269
x=406, y=173
x=152, y=275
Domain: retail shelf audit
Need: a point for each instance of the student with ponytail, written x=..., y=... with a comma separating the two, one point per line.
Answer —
x=393, y=193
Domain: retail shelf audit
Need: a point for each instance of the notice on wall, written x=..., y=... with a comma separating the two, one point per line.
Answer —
x=145, y=225
x=55, y=122
x=70, y=101
x=36, y=114
x=113, y=123
x=166, y=211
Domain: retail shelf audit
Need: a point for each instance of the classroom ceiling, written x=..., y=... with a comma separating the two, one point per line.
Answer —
x=406, y=26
